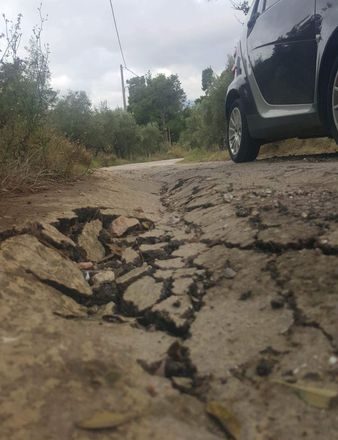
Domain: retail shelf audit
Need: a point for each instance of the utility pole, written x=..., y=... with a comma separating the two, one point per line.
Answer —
x=123, y=89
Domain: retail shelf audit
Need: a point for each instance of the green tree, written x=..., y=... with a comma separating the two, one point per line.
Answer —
x=205, y=127
x=208, y=78
x=150, y=138
x=156, y=100
x=72, y=116
x=25, y=93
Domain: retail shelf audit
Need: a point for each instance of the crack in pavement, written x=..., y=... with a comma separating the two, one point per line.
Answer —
x=237, y=280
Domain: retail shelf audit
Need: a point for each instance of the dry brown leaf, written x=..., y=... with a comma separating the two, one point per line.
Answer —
x=106, y=420
x=318, y=397
x=225, y=417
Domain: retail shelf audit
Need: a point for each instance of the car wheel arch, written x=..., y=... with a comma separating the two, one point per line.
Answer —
x=231, y=97
x=327, y=62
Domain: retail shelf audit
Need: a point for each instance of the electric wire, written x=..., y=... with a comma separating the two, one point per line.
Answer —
x=119, y=41
x=118, y=33
x=135, y=74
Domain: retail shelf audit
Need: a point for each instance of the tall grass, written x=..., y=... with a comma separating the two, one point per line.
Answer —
x=44, y=157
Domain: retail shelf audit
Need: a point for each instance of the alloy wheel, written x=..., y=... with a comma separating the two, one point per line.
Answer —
x=235, y=129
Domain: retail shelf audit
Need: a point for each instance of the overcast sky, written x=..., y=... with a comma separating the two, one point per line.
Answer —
x=169, y=36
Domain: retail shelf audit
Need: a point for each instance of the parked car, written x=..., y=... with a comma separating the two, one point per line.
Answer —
x=286, y=76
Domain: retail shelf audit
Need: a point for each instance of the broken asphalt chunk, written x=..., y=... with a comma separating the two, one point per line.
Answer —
x=141, y=296
x=122, y=224
x=46, y=264
x=129, y=256
x=154, y=250
x=133, y=275
x=103, y=277
x=173, y=314
x=89, y=241
x=175, y=263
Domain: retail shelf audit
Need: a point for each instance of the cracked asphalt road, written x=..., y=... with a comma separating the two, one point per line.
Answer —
x=134, y=304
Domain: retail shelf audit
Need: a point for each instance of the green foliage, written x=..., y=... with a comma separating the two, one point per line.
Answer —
x=208, y=77
x=29, y=150
x=205, y=127
x=104, y=130
x=72, y=116
x=150, y=138
x=158, y=100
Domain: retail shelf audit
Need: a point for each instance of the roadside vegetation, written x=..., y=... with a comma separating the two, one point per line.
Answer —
x=48, y=136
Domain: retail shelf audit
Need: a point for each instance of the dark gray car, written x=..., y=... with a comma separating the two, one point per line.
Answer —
x=286, y=75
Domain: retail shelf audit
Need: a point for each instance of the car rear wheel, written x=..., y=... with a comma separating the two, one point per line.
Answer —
x=333, y=101
x=242, y=147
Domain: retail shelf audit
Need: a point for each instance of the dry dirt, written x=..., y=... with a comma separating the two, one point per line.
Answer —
x=173, y=302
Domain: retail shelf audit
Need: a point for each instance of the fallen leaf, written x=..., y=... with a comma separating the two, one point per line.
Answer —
x=225, y=417
x=318, y=397
x=105, y=420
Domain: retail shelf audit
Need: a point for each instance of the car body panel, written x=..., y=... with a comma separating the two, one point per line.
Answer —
x=282, y=52
x=280, y=68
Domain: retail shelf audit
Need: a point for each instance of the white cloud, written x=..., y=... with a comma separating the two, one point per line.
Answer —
x=170, y=36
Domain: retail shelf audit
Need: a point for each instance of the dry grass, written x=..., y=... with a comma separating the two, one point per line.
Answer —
x=290, y=147
x=298, y=147
x=44, y=157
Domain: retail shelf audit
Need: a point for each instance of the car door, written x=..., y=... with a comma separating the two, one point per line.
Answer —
x=282, y=50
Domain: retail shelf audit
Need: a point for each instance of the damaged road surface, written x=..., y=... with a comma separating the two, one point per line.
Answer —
x=173, y=302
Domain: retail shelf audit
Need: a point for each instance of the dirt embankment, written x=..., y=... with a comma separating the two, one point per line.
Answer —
x=175, y=302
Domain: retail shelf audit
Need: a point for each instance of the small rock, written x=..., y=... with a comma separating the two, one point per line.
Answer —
x=141, y=295
x=107, y=309
x=277, y=303
x=105, y=277
x=190, y=272
x=246, y=296
x=129, y=256
x=228, y=198
x=182, y=383
x=174, y=314
x=229, y=273
x=164, y=274
x=264, y=368
x=88, y=265
x=154, y=250
x=243, y=212
x=154, y=236
x=133, y=275
x=175, y=263
x=333, y=361
x=190, y=250
x=123, y=224
x=182, y=286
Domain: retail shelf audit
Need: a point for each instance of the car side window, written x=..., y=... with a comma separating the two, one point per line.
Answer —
x=260, y=6
x=269, y=3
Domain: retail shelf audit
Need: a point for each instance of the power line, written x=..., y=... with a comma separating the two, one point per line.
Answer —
x=117, y=33
x=135, y=74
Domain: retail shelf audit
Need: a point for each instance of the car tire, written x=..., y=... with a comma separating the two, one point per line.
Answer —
x=333, y=101
x=241, y=146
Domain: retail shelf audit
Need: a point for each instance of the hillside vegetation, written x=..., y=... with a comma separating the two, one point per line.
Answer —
x=46, y=136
